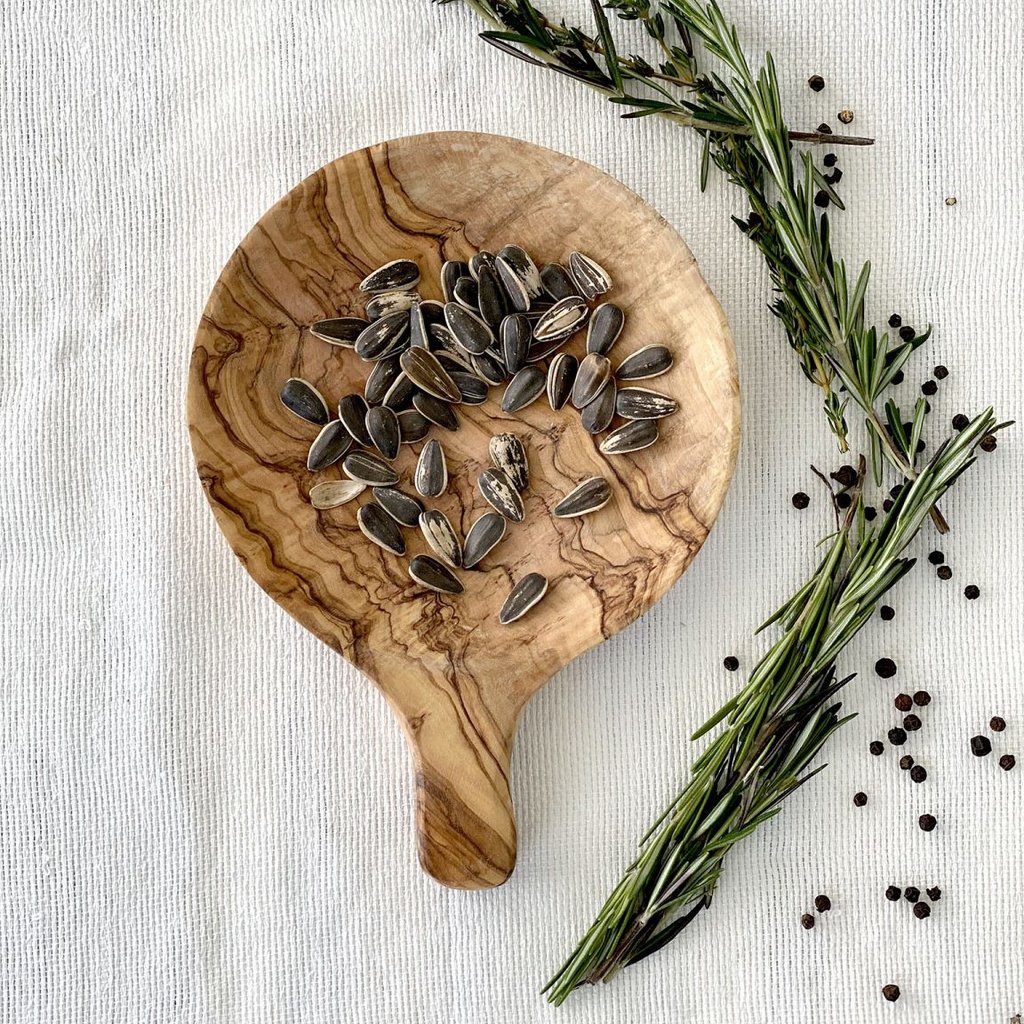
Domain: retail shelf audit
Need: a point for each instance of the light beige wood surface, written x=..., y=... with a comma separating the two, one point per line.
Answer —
x=456, y=679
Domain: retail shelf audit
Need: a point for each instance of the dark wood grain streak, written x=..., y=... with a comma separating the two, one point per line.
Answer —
x=456, y=680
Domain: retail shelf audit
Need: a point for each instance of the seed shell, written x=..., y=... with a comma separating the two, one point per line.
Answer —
x=518, y=261
x=433, y=312
x=352, y=412
x=598, y=413
x=341, y=330
x=589, y=496
x=387, y=303
x=431, y=476
x=500, y=493
x=385, y=433
x=606, y=323
x=644, y=404
x=562, y=319
x=516, y=335
x=466, y=294
x=469, y=330
x=441, y=536
x=491, y=299
x=430, y=573
x=298, y=396
x=402, y=507
x=383, y=336
x=413, y=426
x=396, y=274
x=525, y=387
x=452, y=271
x=472, y=389
x=380, y=528
x=591, y=277
x=486, y=367
x=369, y=469
x=593, y=374
x=331, y=444
x=418, y=336
x=423, y=369
x=482, y=259
x=649, y=361
x=384, y=373
x=443, y=344
x=525, y=594
x=484, y=535
x=630, y=437
x=516, y=296
x=561, y=375
x=332, y=493
x=557, y=282
x=401, y=392
x=436, y=411
x=509, y=455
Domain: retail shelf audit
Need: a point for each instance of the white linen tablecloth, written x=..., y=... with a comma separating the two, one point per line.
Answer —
x=205, y=814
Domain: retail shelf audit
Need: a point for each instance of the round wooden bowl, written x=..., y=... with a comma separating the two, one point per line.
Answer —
x=456, y=679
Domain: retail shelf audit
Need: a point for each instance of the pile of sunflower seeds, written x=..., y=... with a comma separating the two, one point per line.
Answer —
x=503, y=323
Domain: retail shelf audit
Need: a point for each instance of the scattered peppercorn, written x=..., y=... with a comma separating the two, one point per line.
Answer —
x=996, y=724
x=988, y=443
x=898, y=377
x=876, y=747
x=1007, y=762
x=897, y=737
x=934, y=894
x=972, y=591
x=927, y=822
x=843, y=500
x=835, y=177
x=936, y=557
x=960, y=421
x=922, y=698
x=830, y=160
x=980, y=746
x=918, y=773
x=807, y=920
x=912, y=893
x=822, y=904
x=885, y=668
x=870, y=512
x=731, y=663
x=906, y=761
x=895, y=320
x=911, y=723
x=821, y=199
x=891, y=993
x=929, y=387
x=816, y=82
x=887, y=505
x=801, y=500
x=824, y=129
x=950, y=200
x=887, y=612
x=846, y=116
x=903, y=702
x=921, y=445
x=921, y=911
x=845, y=475
x=893, y=893
x=860, y=799
x=907, y=333
x=940, y=372
x=894, y=491
x=944, y=572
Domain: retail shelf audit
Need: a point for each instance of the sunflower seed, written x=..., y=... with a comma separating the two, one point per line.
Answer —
x=526, y=386
x=301, y=398
x=468, y=329
x=518, y=260
x=542, y=349
x=390, y=302
x=383, y=336
x=341, y=330
x=516, y=335
x=331, y=444
x=396, y=274
x=484, y=535
x=598, y=413
x=644, y=404
x=332, y=493
x=402, y=507
x=452, y=271
x=471, y=387
x=430, y=573
x=630, y=437
x=491, y=299
x=431, y=476
x=563, y=318
x=537, y=309
x=561, y=374
x=433, y=312
x=369, y=469
x=482, y=259
x=382, y=376
x=649, y=361
x=413, y=426
x=400, y=393
x=487, y=368
x=429, y=375
x=441, y=536
x=352, y=412
x=606, y=324
x=592, y=278
x=436, y=411
x=500, y=493
x=380, y=528
x=517, y=298
x=594, y=371
x=557, y=282
x=466, y=294
x=418, y=336
x=509, y=455
x=525, y=594
x=589, y=496
x=382, y=426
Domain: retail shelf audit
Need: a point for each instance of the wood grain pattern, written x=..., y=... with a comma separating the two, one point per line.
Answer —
x=455, y=678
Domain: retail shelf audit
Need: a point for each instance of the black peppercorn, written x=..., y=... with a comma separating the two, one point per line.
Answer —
x=922, y=698
x=893, y=893
x=846, y=116
x=821, y=198
x=845, y=475
x=996, y=724
x=830, y=160
x=929, y=387
x=843, y=500
x=980, y=746
x=960, y=421
x=918, y=773
x=912, y=893
x=822, y=904
x=885, y=668
x=887, y=612
x=906, y=761
x=911, y=723
x=834, y=177
x=1007, y=762
x=940, y=372
x=887, y=505
x=897, y=737
x=860, y=799
x=807, y=920
x=816, y=82
x=921, y=911
x=801, y=500
x=870, y=512
x=921, y=445
x=891, y=993
x=895, y=320
x=824, y=129
x=972, y=591
x=936, y=557
x=903, y=702
x=934, y=894
x=988, y=443
x=876, y=747
x=927, y=822
x=731, y=663
x=944, y=572
x=899, y=377
x=907, y=333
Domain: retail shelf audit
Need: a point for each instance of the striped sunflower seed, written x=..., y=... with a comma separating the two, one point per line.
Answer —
x=340, y=330
x=589, y=496
x=481, y=259
x=487, y=368
x=525, y=387
x=594, y=372
x=433, y=312
x=383, y=336
x=369, y=469
x=598, y=413
x=452, y=271
x=517, y=298
x=332, y=493
x=471, y=387
x=430, y=573
x=518, y=261
x=466, y=294
x=436, y=411
x=423, y=369
x=387, y=303
x=491, y=300
x=630, y=437
x=561, y=375
x=418, y=337
x=509, y=455
x=402, y=507
x=331, y=444
x=384, y=373
x=413, y=426
x=649, y=361
x=562, y=319
x=606, y=324
x=525, y=594
x=352, y=411
x=500, y=493
x=557, y=282
x=516, y=335
x=298, y=396
x=468, y=329
x=591, y=277
x=484, y=535
x=431, y=476
x=400, y=394
x=385, y=433
x=644, y=404
x=396, y=274
x=380, y=528
x=441, y=536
